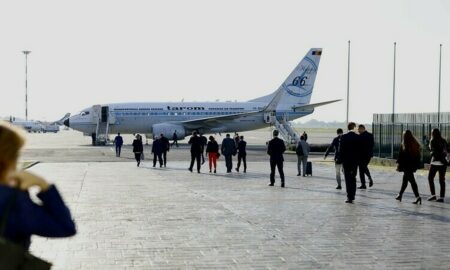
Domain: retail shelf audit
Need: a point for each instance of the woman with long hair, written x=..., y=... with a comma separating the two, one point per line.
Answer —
x=439, y=150
x=212, y=148
x=408, y=162
x=24, y=217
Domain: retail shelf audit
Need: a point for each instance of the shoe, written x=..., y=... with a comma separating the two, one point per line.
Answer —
x=440, y=200
x=190, y=169
x=370, y=183
x=338, y=187
x=298, y=174
x=139, y=163
x=270, y=184
x=245, y=171
x=349, y=201
x=418, y=201
x=164, y=165
x=160, y=166
x=282, y=185
x=209, y=171
x=237, y=169
x=198, y=171
x=362, y=187
x=304, y=175
x=399, y=198
x=214, y=170
x=432, y=198
x=154, y=166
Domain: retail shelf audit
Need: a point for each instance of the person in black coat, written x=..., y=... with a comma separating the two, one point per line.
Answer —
x=408, y=162
x=196, y=150
x=165, y=148
x=350, y=153
x=157, y=151
x=335, y=144
x=138, y=149
x=367, y=143
x=275, y=150
x=242, y=154
x=175, y=138
x=228, y=150
x=439, y=151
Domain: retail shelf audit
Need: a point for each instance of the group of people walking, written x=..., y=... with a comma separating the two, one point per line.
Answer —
x=354, y=151
x=229, y=148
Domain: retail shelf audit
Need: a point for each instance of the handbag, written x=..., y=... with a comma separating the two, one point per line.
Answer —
x=12, y=255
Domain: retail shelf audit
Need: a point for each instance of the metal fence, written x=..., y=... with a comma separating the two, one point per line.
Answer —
x=388, y=136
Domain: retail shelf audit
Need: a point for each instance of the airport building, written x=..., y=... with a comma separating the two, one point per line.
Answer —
x=388, y=130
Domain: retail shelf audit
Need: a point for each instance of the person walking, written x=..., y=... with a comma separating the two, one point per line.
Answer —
x=335, y=144
x=350, y=153
x=204, y=142
x=275, y=150
x=157, y=151
x=196, y=150
x=165, y=148
x=175, y=138
x=21, y=216
x=305, y=135
x=242, y=154
x=212, y=149
x=367, y=143
x=138, y=149
x=118, y=142
x=439, y=153
x=302, y=152
x=236, y=138
x=408, y=162
x=228, y=149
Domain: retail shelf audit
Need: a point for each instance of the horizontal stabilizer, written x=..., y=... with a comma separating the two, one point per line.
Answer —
x=310, y=107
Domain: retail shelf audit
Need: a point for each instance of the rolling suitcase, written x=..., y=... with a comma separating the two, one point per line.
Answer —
x=308, y=168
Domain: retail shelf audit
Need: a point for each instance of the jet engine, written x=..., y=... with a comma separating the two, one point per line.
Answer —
x=168, y=129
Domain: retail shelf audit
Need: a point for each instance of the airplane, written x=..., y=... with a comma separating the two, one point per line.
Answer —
x=32, y=126
x=290, y=101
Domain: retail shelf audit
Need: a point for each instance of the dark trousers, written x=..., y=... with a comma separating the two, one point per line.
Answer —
x=195, y=157
x=432, y=173
x=137, y=156
x=118, y=150
x=279, y=165
x=363, y=171
x=159, y=157
x=164, y=155
x=409, y=177
x=243, y=158
x=350, y=171
x=229, y=162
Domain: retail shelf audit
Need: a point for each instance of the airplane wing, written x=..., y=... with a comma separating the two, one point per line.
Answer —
x=206, y=121
x=309, y=107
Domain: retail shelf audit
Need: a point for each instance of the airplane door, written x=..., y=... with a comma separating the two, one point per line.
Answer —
x=105, y=114
x=269, y=117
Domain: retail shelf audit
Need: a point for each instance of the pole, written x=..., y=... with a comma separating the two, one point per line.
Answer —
x=439, y=89
x=348, y=81
x=393, y=103
x=26, y=84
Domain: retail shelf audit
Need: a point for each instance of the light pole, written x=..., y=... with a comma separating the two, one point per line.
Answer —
x=393, y=104
x=26, y=84
x=439, y=89
x=348, y=81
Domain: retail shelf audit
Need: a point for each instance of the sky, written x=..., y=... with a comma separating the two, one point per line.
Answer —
x=93, y=52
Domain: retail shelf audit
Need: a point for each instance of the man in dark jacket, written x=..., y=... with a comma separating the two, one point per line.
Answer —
x=335, y=145
x=196, y=150
x=242, y=153
x=275, y=150
x=118, y=141
x=367, y=143
x=165, y=148
x=175, y=138
x=350, y=153
x=228, y=149
x=157, y=150
x=204, y=141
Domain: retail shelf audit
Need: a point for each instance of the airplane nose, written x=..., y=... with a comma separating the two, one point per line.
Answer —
x=67, y=122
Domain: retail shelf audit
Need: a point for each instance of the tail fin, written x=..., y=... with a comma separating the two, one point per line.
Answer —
x=298, y=86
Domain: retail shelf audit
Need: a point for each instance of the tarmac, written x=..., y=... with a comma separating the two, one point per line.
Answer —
x=131, y=217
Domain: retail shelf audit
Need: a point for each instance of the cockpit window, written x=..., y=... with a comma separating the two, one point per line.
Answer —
x=84, y=113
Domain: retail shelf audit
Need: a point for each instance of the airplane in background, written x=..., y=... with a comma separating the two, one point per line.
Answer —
x=290, y=101
x=32, y=126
